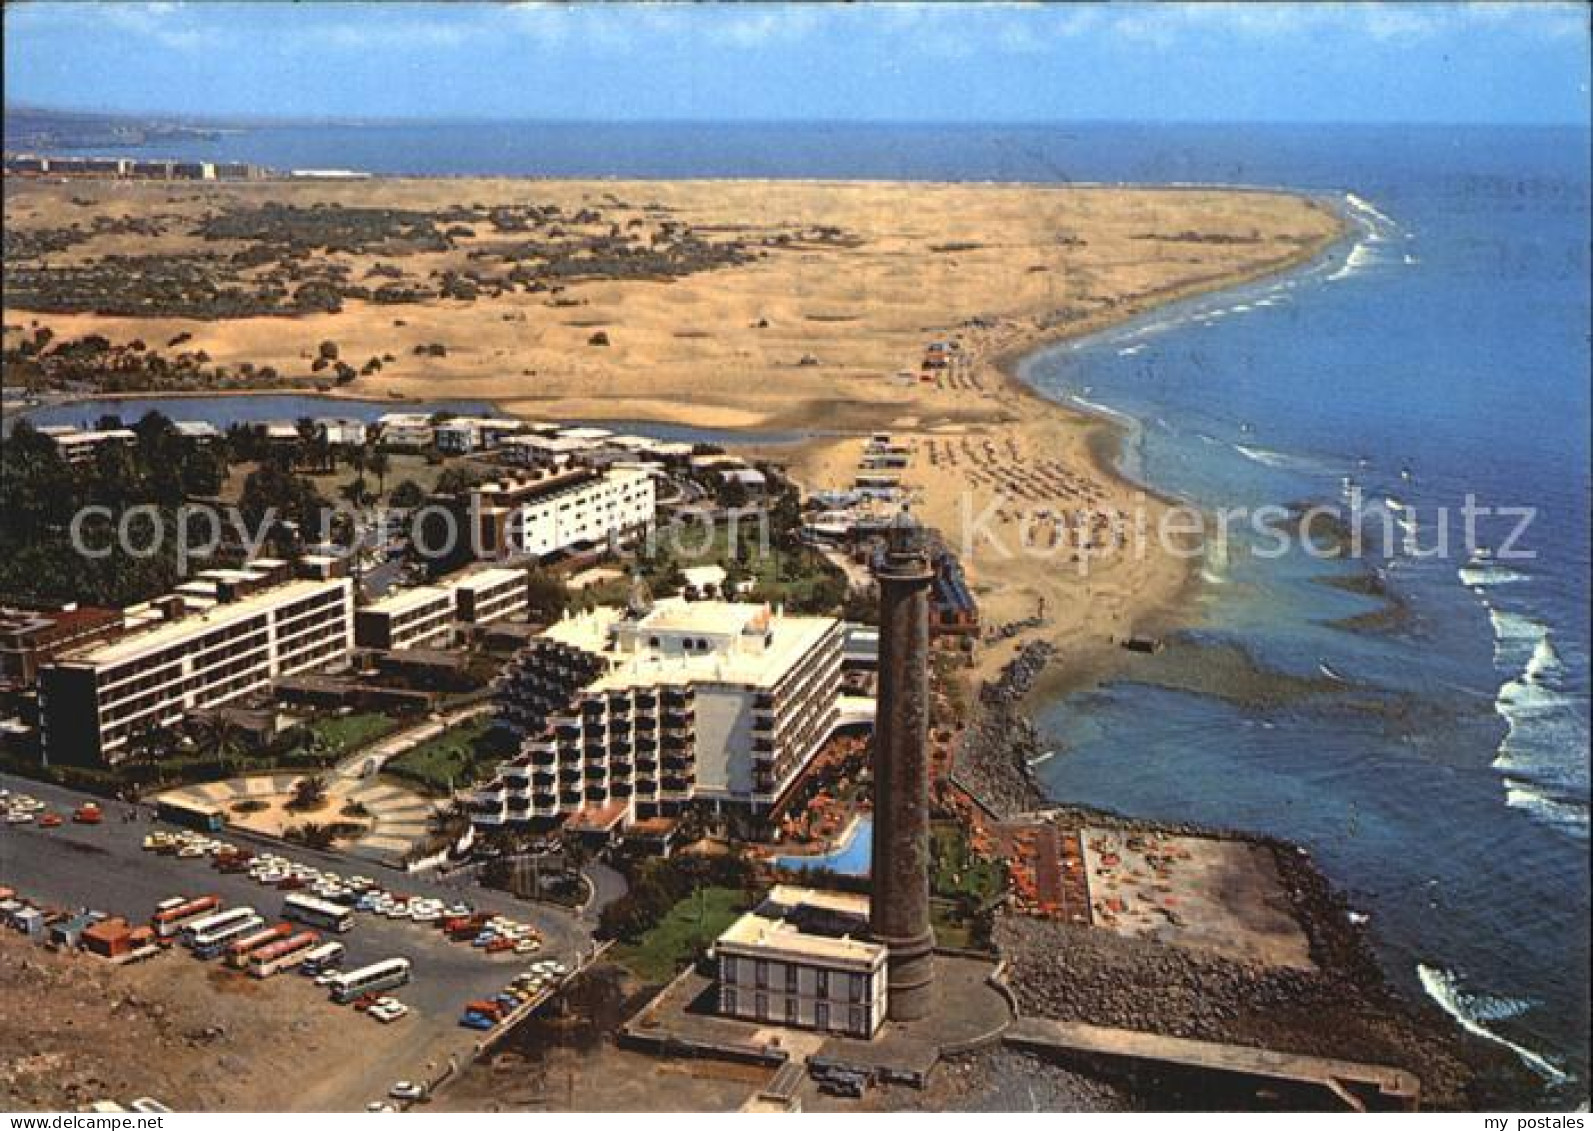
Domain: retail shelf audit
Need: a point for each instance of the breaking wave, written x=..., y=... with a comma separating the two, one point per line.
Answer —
x=1542, y=757
x=1470, y=1011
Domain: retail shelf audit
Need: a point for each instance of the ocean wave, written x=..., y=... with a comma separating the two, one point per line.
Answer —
x=1479, y=576
x=1263, y=456
x=1130, y=351
x=1104, y=410
x=1471, y=1010
x=1565, y=815
x=1367, y=210
x=1541, y=757
x=1360, y=257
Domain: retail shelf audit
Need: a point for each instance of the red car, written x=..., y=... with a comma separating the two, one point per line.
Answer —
x=50, y=821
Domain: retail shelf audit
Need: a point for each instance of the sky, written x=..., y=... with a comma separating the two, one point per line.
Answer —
x=1521, y=62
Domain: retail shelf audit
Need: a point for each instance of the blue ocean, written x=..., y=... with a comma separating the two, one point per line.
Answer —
x=1438, y=768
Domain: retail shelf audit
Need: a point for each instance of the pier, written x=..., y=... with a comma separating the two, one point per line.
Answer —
x=1357, y=1085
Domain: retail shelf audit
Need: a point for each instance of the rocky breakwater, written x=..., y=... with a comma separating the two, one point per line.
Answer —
x=1343, y=1008
x=995, y=752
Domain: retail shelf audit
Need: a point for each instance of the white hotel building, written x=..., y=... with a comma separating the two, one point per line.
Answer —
x=629, y=715
x=190, y=650
x=544, y=514
x=424, y=617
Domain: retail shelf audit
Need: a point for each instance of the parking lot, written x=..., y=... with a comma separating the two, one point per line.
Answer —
x=105, y=867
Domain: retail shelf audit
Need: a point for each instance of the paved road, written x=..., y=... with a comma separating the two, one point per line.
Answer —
x=607, y=886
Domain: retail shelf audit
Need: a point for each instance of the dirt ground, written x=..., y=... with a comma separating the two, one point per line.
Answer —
x=1220, y=896
x=75, y=1029
x=602, y=1078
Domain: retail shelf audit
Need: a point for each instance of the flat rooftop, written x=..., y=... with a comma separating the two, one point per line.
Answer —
x=805, y=923
x=756, y=664
x=488, y=579
x=164, y=633
x=407, y=600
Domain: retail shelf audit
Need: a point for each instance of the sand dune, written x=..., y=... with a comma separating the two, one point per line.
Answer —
x=1003, y=267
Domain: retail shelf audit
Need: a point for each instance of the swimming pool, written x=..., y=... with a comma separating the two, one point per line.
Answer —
x=850, y=859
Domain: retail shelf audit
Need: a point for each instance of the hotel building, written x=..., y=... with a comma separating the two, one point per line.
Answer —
x=491, y=595
x=628, y=715
x=803, y=959
x=412, y=618
x=541, y=515
x=225, y=636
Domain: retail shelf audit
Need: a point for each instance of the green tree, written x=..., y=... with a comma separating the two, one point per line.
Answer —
x=408, y=494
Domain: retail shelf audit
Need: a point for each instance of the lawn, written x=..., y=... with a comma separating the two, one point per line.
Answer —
x=456, y=758
x=957, y=870
x=684, y=933
x=338, y=734
x=800, y=578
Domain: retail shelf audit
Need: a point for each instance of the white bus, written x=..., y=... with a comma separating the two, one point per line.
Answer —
x=215, y=941
x=369, y=979
x=322, y=913
x=323, y=956
x=204, y=926
x=278, y=956
x=169, y=922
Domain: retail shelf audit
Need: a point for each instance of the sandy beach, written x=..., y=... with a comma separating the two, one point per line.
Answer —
x=822, y=328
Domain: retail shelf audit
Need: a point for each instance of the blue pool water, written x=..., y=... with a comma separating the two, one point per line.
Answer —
x=850, y=859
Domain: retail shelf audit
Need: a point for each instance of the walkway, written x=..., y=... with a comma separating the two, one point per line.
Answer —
x=1352, y=1082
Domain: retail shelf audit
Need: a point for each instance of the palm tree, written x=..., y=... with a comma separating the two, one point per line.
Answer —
x=379, y=465
x=355, y=492
x=308, y=792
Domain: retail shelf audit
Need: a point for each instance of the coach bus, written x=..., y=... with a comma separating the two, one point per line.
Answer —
x=221, y=928
x=320, y=913
x=169, y=922
x=369, y=979
x=322, y=958
x=278, y=956
x=239, y=950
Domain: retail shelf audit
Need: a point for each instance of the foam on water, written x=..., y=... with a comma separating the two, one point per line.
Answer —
x=1471, y=1010
x=1263, y=456
x=1360, y=257
x=1542, y=757
x=1476, y=575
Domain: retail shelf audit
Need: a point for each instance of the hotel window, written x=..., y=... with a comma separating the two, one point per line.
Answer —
x=823, y=987
x=791, y=978
x=730, y=968
x=763, y=974
x=821, y=1015
x=730, y=1001
x=856, y=988
x=761, y=1006
x=790, y=1011
x=856, y=1021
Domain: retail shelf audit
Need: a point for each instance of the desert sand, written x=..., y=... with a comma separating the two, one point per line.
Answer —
x=810, y=336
